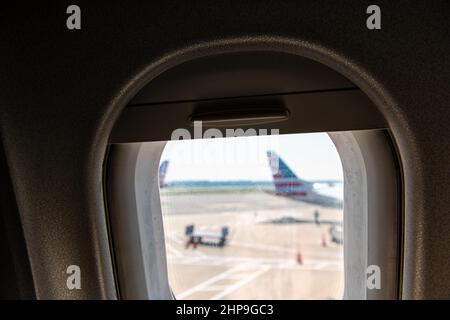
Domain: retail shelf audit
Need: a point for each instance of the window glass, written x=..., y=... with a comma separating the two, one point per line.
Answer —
x=253, y=217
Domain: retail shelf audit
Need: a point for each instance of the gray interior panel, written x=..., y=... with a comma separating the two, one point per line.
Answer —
x=62, y=91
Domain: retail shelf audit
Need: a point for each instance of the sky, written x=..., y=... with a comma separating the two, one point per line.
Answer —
x=312, y=156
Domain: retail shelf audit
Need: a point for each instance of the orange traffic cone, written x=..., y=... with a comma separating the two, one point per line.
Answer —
x=324, y=241
x=299, y=258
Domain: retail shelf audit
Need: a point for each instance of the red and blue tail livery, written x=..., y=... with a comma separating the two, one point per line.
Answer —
x=287, y=184
x=284, y=179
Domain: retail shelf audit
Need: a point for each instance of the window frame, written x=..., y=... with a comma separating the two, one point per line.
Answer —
x=193, y=85
x=372, y=206
x=371, y=172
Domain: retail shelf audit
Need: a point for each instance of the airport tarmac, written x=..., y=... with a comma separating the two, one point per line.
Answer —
x=262, y=259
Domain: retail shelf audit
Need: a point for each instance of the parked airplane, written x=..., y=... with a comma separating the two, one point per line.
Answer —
x=162, y=173
x=287, y=184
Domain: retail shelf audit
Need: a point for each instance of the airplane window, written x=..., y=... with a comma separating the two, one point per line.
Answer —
x=253, y=217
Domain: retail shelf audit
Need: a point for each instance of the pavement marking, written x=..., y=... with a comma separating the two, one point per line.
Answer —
x=205, y=284
x=173, y=251
x=285, y=264
x=265, y=247
x=248, y=278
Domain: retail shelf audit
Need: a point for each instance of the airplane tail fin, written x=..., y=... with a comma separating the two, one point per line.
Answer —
x=285, y=180
x=162, y=173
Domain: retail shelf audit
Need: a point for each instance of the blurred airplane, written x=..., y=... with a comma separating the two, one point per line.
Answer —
x=287, y=184
x=162, y=173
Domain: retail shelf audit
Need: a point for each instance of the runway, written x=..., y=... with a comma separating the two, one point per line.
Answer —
x=262, y=259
